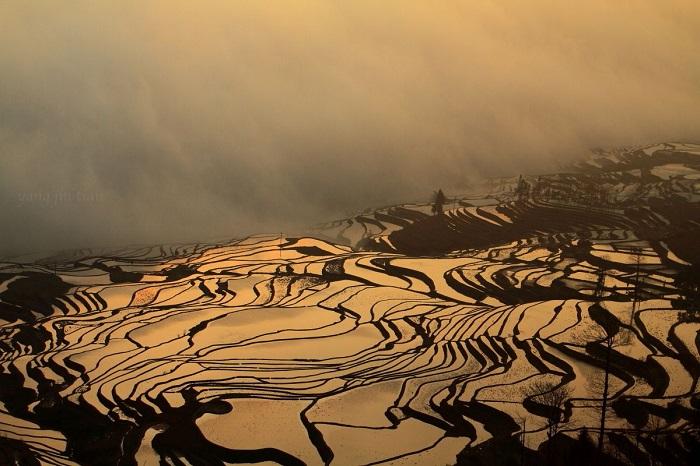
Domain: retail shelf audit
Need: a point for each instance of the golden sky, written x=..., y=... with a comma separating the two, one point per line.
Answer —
x=190, y=119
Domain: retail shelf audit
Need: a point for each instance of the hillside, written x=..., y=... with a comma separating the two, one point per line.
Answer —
x=393, y=337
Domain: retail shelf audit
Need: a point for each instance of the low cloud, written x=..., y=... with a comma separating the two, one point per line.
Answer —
x=158, y=121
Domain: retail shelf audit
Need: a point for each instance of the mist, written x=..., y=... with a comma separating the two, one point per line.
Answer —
x=159, y=121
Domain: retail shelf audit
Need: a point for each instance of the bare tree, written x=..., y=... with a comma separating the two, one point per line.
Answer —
x=637, y=285
x=552, y=396
x=608, y=337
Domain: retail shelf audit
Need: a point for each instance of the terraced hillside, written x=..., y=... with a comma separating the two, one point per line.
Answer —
x=434, y=340
x=651, y=192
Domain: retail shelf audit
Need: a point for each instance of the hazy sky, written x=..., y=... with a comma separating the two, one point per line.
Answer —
x=152, y=121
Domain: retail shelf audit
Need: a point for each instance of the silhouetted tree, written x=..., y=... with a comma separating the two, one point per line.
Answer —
x=609, y=337
x=522, y=190
x=637, y=284
x=600, y=284
x=552, y=397
x=439, y=200
x=688, y=283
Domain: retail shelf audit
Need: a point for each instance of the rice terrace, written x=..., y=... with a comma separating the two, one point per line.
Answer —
x=349, y=233
x=359, y=336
